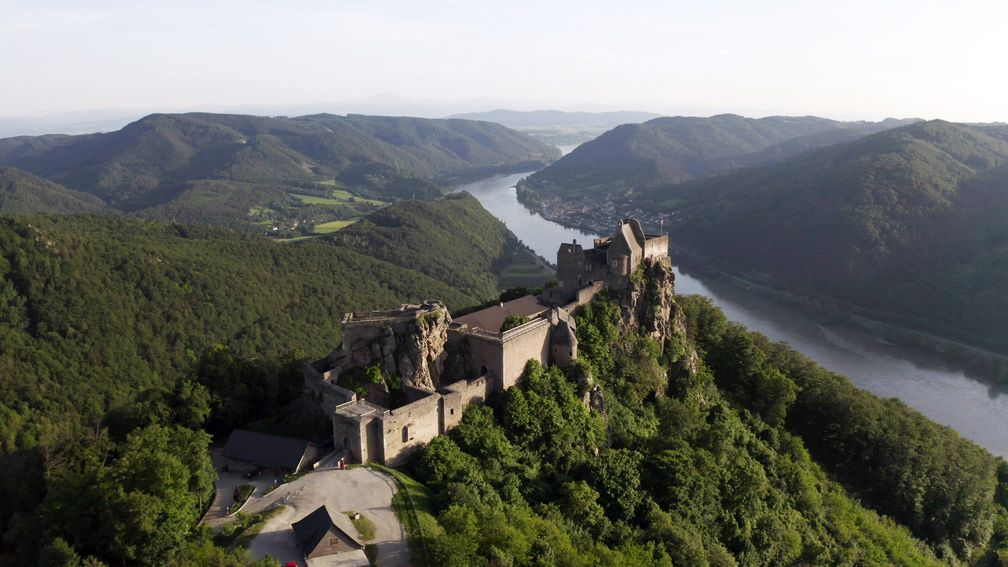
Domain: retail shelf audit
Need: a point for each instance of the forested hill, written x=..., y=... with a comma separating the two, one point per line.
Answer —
x=462, y=244
x=126, y=324
x=23, y=193
x=910, y=223
x=180, y=166
x=672, y=150
x=95, y=309
x=679, y=438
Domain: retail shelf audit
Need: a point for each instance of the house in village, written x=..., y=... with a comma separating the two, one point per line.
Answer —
x=247, y=451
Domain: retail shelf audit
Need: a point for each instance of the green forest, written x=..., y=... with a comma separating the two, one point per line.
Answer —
x=118, y=333
x=759, y=457
x=906, y=225
x=128, y=344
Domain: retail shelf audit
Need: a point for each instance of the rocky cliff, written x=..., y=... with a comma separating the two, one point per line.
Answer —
x=648, y=305
x=411, y=347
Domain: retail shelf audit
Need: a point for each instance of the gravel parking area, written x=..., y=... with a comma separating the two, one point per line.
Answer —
x=359, y=489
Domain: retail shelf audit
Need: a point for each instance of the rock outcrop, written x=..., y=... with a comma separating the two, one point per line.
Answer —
x=648, y=302
x=648, y=305
x=411, y=347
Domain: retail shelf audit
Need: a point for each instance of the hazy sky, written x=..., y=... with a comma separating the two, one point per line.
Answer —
x=843, y=59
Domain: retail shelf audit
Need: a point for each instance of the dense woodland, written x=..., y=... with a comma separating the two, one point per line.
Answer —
x=908, y=224
x=759, y=458
x=22, y=193
x=117, y=333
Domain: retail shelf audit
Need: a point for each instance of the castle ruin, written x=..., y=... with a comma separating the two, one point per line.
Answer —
x=435, y=365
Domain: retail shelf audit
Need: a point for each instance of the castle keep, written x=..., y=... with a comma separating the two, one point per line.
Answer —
x=434, y=366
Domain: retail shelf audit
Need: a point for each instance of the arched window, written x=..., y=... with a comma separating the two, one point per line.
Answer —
x=405, y=433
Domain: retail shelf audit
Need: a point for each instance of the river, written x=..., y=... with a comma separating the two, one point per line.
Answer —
x=939, y=388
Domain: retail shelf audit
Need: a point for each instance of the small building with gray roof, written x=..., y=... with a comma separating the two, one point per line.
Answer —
x=250, y=450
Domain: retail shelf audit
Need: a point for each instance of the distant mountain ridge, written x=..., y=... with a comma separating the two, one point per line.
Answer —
x=216, y=160
x=671, y=150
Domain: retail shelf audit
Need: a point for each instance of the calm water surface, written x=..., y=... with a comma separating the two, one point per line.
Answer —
x=937, y=387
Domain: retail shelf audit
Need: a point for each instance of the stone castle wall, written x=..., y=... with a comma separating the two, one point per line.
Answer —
x=521, y=344
x=656, y=247
x=409, y=342
x=459, y=395
x=446, y=366
x=407, y=429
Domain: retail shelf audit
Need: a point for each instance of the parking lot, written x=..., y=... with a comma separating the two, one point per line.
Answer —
x=359, y=489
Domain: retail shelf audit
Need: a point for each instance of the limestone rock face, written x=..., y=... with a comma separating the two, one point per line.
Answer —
x=422, y=353
x=410, y=347
x=649, y=305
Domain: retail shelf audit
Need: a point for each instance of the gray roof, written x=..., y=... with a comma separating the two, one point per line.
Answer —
x=265, y=450
x=563, y=335
x=493, y=317
x=310, y=530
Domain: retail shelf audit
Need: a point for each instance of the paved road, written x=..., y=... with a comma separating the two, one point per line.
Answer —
x=360, y=489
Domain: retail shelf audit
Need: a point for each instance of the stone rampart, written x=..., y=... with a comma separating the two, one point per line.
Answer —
x=407, y=429
x=521, y=344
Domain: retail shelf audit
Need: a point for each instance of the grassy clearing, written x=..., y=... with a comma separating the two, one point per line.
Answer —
x=333, y=226
x=298, y=238
x=365, y=527
x=412, y=505
x=348, y=196
x=338, y=195
x=315, y=200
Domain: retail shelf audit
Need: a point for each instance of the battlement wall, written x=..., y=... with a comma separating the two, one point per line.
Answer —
x=656, y=246
x=529, y=341
x=459, y=395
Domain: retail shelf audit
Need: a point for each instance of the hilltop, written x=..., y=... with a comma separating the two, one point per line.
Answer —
x=236, y=169
x=679, y=438
x=672, y=150
x=909, y=222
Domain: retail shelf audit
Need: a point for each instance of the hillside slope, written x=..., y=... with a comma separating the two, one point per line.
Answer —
x=909, y=222
x=679, y=438
x=451, y=251
x=95, y=309
x=672, y=150
x=22, y=193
